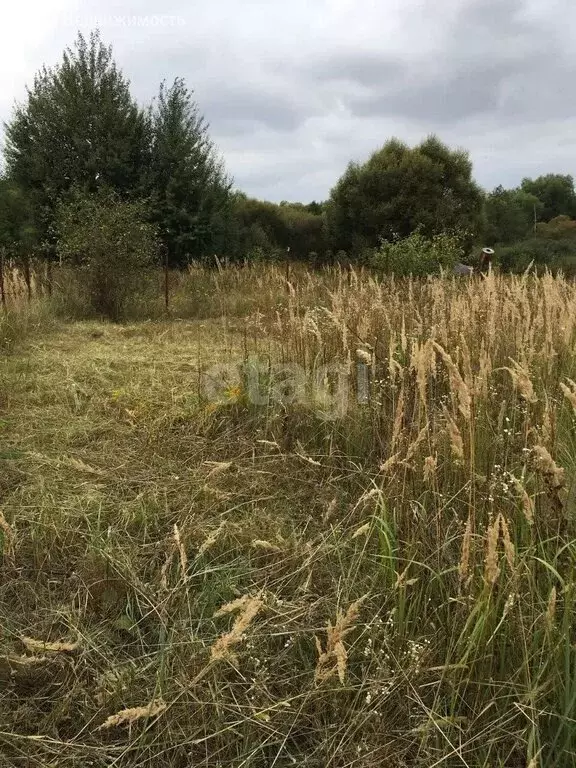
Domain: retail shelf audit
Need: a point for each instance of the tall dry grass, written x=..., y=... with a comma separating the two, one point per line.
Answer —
x=381, y=578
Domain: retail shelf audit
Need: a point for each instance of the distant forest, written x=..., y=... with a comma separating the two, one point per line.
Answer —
x=80, y=133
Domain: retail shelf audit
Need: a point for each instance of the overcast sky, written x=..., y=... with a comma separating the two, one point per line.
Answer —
x=294, y=89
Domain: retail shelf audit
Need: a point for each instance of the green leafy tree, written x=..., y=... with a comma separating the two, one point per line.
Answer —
x=78, y=127
x=111, y=244
x=304, y=231
x=279, y=229
x=315, y=208
x=18, y=232
x=400, y=190
x=509, y=215
x=189, y=189
x=555, y=192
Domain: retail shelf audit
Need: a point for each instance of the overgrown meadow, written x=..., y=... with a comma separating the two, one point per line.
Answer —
x=308, y=518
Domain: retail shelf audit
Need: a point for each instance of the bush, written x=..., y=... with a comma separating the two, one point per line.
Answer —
x=560, y=228
x=543, y=252
x=418, y=255
x=111, y=246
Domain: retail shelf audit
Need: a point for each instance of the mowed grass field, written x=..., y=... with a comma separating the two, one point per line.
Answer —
x=309, y=519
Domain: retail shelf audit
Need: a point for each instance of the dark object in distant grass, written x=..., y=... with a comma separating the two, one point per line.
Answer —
x=463, y=270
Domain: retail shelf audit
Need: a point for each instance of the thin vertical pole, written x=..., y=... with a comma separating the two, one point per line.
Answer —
x=2, y=289
x=166, y=281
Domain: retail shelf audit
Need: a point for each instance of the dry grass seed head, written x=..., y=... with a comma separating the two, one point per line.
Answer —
x=413, y=447
x=24, y=661
x=362, y=531
x=522, y=382
x=218, y=467
x=132, y=715
x=42, y=646
x=456, y=441
x=526, y=501
x=334, y=659
x=330, y=509
x=181, y=551
x=457, y=384
x=555, y=476
x=212, y=538
x=551, y=608
x=249, y=608
x=569, y=392
x=509, y=550
x=484, y=371
x=232, y=607
x=265, y=545
x=491, y=567
x=390, y=463
x=364, y=356
x=429, y=468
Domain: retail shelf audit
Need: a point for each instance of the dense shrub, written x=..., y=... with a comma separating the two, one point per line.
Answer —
x=543, y=252
x=418, y=255
x=111, y=245
x=560, y=228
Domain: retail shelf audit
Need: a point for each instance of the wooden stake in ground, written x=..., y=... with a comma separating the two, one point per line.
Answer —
x=166, y=280
x=2, y=289
x=288, y=269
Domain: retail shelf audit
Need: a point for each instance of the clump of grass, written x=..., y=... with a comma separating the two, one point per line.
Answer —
x=17, y=325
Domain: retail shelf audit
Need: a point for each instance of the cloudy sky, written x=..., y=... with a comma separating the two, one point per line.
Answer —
x=294, y=90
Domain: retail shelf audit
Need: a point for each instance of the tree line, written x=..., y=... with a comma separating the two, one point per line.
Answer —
x=80, y=135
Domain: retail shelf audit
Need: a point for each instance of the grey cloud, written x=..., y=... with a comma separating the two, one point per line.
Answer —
x=293, y=91
x=368, y=69
x=442, y=100
x=492, y=59
x=234, y=107
x=540, y=87
x=491, y=20
x=542, y=91
x=231, y=105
